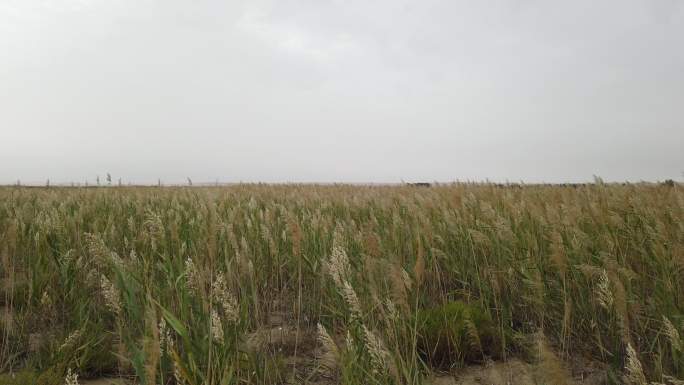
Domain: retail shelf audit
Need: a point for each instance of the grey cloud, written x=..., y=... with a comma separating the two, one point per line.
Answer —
x=351, y=91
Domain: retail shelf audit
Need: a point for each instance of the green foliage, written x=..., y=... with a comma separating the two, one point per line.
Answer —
x=21, y=378
x=25, y=377
x=456, y=333
x=51, y=376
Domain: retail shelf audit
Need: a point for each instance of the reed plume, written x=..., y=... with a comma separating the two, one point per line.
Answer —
x=331, y=355
x=71, y=378
x=222, y=296
x=634, y=373
x=111, y=295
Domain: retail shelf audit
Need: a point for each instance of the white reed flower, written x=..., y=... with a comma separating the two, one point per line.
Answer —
x=408, y=282
x=45, y=299
x=216, y=326
x=634, y=372
x=337, y=265
x=111, y=295
x=330, y=356
x=116, y=260
x=349, y=341
x=165, y=338
x=71, y=378
x=605, y=296
x=377, y=351
x=671, y=380
x=177, y=374
x=192, y=276
x=71, y=340
x=672, y=334
x=224, y=298
x=154, y=228
x=349, y=295
x=391, y=309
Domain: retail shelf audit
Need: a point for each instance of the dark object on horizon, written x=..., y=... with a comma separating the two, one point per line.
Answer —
x=668, y=183
x=419, y=184
x=508, y=185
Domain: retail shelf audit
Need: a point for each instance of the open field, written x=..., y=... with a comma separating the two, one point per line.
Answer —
x=288, y=284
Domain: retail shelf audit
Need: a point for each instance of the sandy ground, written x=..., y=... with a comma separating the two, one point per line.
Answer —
x=103, y=381
x=518, y=372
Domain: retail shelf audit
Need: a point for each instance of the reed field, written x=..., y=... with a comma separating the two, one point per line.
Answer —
x=314, y=284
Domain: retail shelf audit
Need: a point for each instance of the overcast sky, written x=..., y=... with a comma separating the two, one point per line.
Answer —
x=341, y=90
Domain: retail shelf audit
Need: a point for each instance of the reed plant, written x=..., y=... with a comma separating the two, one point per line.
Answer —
x=272, y=284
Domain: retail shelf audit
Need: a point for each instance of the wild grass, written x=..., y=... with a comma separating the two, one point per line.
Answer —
x=259, y=284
